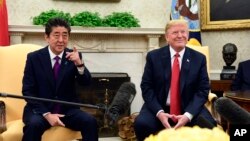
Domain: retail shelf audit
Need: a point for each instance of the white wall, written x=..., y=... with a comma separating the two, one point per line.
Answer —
x=151, y=13
x=216, y=39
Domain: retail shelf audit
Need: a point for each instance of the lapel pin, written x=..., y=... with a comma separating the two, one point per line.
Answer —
x=66, y=62
x=188, y=60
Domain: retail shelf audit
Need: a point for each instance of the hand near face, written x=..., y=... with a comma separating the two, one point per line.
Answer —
x=74, y=56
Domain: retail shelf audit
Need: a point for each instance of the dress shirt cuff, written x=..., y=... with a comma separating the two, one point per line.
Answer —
x=159, y=112
x=80, y=70
x=188, y=115
x=45, y=114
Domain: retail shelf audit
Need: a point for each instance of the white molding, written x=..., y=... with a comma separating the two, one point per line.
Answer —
x=91, y=30
x=95, y=39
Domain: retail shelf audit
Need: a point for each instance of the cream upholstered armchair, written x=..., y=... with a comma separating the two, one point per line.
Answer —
x=12, y=62
x=211, y=97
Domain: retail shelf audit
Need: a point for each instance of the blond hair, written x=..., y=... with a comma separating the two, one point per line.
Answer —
x=175, y=22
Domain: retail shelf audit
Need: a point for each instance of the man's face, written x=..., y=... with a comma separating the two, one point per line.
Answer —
x=58, y=39
x=229, y=58
x=229, y=54
x=177, y=36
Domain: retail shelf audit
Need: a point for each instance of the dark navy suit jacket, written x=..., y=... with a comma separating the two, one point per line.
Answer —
x=39, y=82
x=242, y=78
x=194, y=81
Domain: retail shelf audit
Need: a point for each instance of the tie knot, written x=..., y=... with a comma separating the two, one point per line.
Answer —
x=57, y=58
x=177, y=55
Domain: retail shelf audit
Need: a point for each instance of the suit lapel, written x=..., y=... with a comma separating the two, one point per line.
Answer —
x=185, y=68
x=166, y=63
x=46, y=65
x=61, y=72
x=63, y=69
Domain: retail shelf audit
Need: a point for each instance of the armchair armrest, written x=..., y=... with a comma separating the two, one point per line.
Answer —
x=2, y=117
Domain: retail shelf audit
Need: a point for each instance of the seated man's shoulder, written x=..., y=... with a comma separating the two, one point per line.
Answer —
x=245, y=63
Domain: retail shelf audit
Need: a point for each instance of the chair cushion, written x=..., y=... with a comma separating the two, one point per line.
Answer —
x=59, y=133
x=14, y=132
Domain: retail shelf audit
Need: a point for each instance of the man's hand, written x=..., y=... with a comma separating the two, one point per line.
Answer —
x=182, y=120
x=74, y=56
x=163, y=117
x=54, y=119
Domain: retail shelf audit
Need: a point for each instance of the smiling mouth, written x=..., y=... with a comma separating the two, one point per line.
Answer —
x=180, y=41
x=60, y=46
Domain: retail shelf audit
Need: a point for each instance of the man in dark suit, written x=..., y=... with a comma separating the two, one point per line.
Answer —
x=193, y=83
x=41, y=80
x=242, y=78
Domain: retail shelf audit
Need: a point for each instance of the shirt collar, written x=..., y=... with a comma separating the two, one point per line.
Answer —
x=52, y=55
x=173, y=52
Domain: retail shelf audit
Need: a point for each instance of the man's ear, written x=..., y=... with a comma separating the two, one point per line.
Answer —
x=46, y=37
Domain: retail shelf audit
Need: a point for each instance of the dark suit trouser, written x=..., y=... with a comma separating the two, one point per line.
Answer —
x=147, y=123
x=35, y=125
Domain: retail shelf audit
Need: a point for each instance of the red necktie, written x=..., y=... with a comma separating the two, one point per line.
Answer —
x=175, y=104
